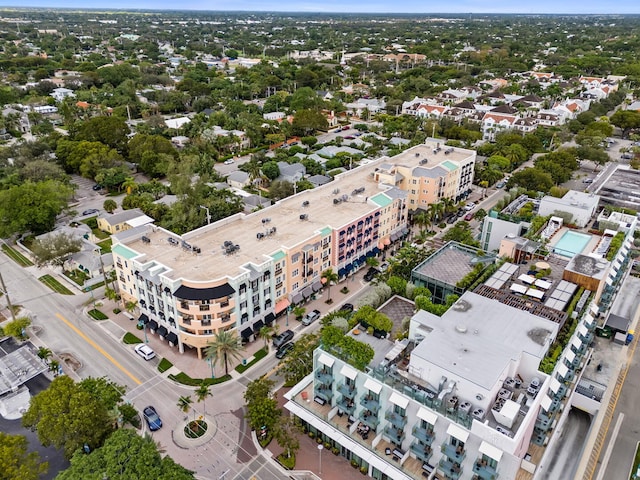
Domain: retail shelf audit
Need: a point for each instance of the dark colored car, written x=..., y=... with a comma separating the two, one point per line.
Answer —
x=97, y=187
x=371, y=273
x=283, y=350
x=347, y=307
x=152, y=418
x=90, y=211
x=283, y=338
x=452, y=219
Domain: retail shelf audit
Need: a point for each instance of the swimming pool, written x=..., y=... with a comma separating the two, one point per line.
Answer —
x=571, y=243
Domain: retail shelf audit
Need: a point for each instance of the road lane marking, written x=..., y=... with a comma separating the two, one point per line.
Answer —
x=99, y=349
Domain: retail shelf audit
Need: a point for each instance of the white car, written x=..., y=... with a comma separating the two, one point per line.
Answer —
x=145, y=351
x=229, y=161
x=469, y=206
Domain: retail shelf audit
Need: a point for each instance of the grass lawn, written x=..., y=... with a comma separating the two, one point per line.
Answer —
x=259, y=355
x=55, y=285
x=185, y=379
x=16, y=256
x=105, y=246
x=97, y=314
x=78, y=276
x=164, y=365
x=130, y=339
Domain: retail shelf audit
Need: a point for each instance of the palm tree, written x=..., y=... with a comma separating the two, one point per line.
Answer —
x=329, y=276
x=435, y=211
x=225, y=344
x=44, y=354
x=202, y=392
x=184, y=403
x=265, y=333
x=130, y=305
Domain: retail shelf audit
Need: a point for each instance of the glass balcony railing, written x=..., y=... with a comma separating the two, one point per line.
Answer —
x=370, y=420
x=323, y=392
x=397, y=420
x=421, y=451
x=324, y=378
x=425, y=435
x=346, y=405
x=396, y=435
x=455, y=454
x=483, y=471
x=371, y=405
x=347, y=391
x=451, y=470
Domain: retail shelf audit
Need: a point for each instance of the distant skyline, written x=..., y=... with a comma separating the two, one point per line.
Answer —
x=353, y=6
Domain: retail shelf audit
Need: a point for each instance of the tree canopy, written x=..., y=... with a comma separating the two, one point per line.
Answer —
x=125, y=454
x=15, y=460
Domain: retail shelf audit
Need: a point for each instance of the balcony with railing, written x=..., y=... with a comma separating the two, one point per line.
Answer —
x=397, y=420
x=370, y=419
x=395, y=435
x=348, y=391
x=484, y=471
x=324, y=376
x=451, y=470
x=454, y=453
x=421, y=451
x=346, y=405
x=424, y=435
x=370, y=404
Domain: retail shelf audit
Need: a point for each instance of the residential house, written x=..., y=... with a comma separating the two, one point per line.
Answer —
x=119, y=222
x=291, y=172
x=238, y=179
x=431, y=111
x=59, y=94
x=176, y=123
x=492, y=123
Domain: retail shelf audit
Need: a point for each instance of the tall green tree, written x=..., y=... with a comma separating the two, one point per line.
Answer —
x=329, y=277
x=225, y=345
x=125, y=455
x=202, y=393
x=16, y=462
x=262, y=407
x=55, y=249
x=67, y=416
x=32, y=207
x=299, y=363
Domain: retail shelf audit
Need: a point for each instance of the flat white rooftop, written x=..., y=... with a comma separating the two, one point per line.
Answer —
x=477, y=337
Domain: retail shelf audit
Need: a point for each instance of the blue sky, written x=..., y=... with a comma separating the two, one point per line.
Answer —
x=366, y=6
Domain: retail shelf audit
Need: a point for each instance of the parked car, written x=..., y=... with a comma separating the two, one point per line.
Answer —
x=347, y=307
x=283, y=338
x=500, y=184
x=229, y=161
x=311, y=317
x=371, y=273
x=587, y=180
x=627, y=156
x=283, y=350
x=152, y=418
x=384, y=266
x=145, y=351
x=470, y=206
x=468, y=216
x=451, y=219
x=460, y=213
x=90, y=211
x=349, y=137
x=97, y=187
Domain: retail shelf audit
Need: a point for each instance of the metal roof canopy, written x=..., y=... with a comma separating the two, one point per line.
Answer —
x=18, y=367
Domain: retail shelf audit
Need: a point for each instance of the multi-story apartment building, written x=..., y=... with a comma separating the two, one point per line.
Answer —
x=461, y=395
x=242, y=271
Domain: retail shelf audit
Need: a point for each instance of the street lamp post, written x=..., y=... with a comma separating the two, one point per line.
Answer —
x=289, y=309
x=320, y=447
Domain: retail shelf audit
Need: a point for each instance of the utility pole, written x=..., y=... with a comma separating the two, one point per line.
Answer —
x=6, y=292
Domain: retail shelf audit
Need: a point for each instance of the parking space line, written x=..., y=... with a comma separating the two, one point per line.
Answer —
x=99, y=349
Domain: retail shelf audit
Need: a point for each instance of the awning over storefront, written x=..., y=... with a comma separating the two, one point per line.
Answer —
x=153, y=325
x=307, y=291
x=341, y=272
x=190, y=293
x=316, y=286
x=172, y=338
x=296, y=298
x=162, y=331
x=395, y=236
x=282, y=305
x=257, y=326
x=143, y=319
x=246, y=333
x=269, y=318
x=405, y=231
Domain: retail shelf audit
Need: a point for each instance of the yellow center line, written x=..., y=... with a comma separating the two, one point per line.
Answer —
x=99, y=349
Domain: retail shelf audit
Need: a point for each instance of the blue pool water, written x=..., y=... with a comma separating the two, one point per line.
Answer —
x=571, y=243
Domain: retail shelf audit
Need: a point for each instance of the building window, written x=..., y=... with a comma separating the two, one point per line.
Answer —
x=295, y=273
x=295, y=286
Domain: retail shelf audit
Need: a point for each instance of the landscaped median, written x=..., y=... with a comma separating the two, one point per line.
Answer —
x=259, y=355
x=185, y=379
x=16, y=256
x=55, y=285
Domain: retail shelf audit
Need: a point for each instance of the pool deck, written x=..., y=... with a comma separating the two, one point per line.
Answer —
x=588, y=248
